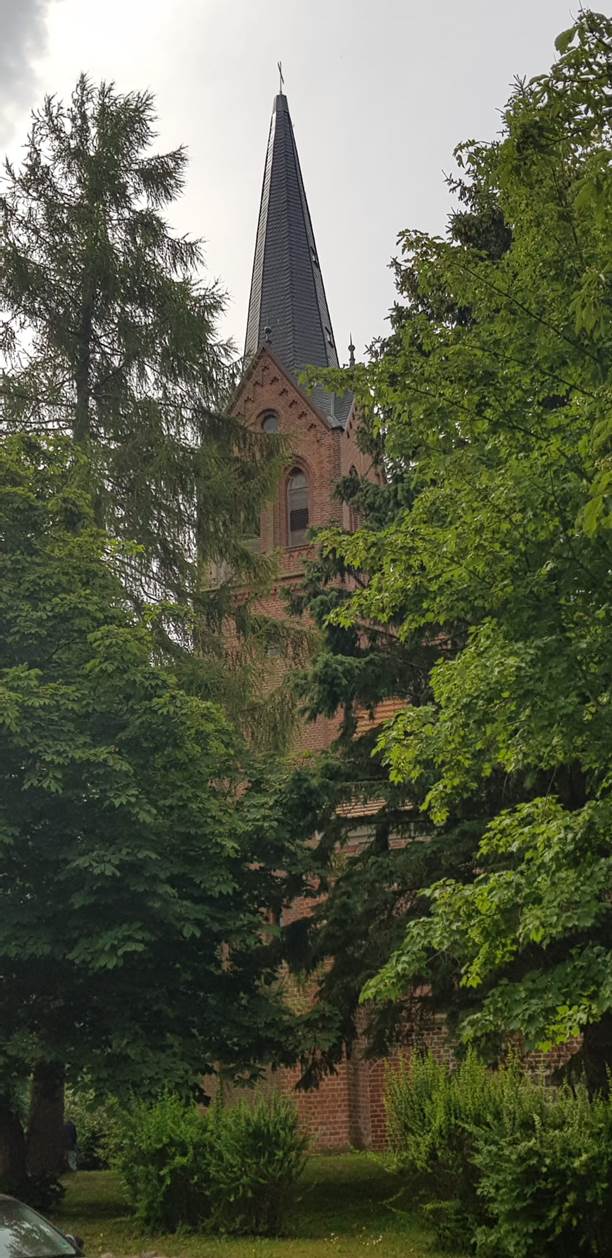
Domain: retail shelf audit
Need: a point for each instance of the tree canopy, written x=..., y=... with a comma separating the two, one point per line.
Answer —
x=131, y=894
x=109, y=334
x=488, y=565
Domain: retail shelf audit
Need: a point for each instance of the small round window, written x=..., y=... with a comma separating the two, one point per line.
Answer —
x=269, y=422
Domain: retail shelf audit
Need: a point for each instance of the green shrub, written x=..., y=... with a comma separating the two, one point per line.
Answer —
x=256, y=1155
x=433, y=1117
x=417, y=1107
x=548, y=1186
x=161, y=1155
x=501, y=1162
x=231, y=1169
x=96, y=1122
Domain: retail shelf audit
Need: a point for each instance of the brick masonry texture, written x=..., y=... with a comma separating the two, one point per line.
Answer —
x=325, y=455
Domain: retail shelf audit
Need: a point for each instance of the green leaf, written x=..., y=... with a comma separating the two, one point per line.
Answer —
x=564, y=39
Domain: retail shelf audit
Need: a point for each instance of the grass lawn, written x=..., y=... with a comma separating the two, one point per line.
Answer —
x=347, y=1205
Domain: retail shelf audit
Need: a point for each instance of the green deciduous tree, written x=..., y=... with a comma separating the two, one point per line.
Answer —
x=365, y=866
x=131, y=891
x=492, y=401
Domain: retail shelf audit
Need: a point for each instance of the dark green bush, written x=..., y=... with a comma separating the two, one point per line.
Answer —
x=232, y=1169
x=161, y=1154
x=502, y=1163
x=44, y=1192
x=256, y=1155
x=548, y=1186
x=95, y=1121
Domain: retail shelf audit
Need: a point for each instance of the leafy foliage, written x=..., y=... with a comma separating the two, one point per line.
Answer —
x=127, y=877
x=161, y=1156
x=96, y=1120
x=517, y=1169
x=547, y=1185
x=230, y=1169
x=490, y=568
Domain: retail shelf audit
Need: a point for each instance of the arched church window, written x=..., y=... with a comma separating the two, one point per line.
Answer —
x=297, y=508
x=269, y=422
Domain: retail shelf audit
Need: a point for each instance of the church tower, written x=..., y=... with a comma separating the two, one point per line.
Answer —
x=288, y=309
x=289, y=327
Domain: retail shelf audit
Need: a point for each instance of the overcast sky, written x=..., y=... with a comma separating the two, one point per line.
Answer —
x=380, y=91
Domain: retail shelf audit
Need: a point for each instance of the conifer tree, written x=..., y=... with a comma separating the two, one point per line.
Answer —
x=108, y=333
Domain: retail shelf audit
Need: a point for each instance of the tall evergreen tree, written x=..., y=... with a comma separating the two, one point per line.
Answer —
x=108, y=333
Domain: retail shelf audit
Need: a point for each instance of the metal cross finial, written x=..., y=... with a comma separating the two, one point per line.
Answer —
x=280, y=76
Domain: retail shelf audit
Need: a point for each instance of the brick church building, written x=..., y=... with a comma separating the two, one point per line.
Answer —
x=289, y=327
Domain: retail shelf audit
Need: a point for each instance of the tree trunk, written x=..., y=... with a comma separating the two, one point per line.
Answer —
x=597, y=1056
x=12, y=1149
x=45, y=1142
x=81, y=426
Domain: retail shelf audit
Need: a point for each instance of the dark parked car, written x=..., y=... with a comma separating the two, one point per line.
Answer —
x=25, y=1234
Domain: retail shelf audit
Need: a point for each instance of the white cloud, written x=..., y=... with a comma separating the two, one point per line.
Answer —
x=22, y=27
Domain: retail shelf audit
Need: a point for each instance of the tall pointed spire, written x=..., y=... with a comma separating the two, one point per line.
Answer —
x=288, y=307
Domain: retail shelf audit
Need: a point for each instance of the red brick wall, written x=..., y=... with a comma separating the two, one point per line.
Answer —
x=316, y=446
x=325, y=454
